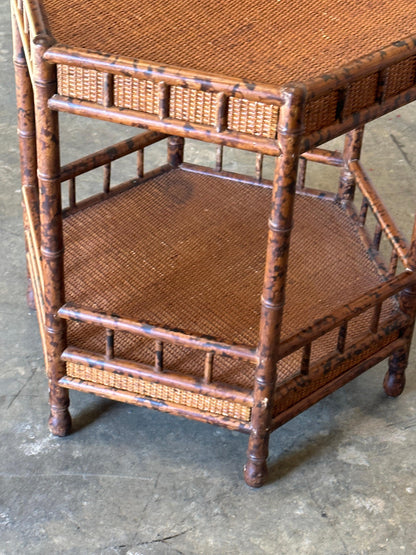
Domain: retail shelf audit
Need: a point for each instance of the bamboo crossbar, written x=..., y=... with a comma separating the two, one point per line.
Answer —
x=147, y=373
x=346, y=312
x=115, y=190
x=163, y=406
x=71, y=311
x=121, y=65
x=324, y=156
x=170, y=126
x=345, y=377
x=386, y=222
x=109, y=154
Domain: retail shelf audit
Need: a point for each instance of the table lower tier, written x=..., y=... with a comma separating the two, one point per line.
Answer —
x=186, y=251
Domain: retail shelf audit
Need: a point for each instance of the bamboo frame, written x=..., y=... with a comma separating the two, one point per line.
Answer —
x=293, y=142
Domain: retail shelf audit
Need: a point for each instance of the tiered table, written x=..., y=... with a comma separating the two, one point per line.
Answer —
x=222, y=297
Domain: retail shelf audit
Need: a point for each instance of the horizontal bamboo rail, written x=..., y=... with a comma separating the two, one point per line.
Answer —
x=73, y=312
x=362, y=67
x=335, y=383
x=170, y=126
x=109, y=154
x=356, y=119
x=147, y=373
x=386, y=222
x=170, y=75
x=323, y=156
x=163, y=406
x=115, y=190
x=346, y=312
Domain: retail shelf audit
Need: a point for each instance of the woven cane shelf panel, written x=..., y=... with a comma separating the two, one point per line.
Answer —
x=247, y=39
x=160, y=392
x=157, y=253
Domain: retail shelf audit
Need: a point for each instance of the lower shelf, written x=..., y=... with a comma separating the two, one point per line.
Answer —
x=187, y=251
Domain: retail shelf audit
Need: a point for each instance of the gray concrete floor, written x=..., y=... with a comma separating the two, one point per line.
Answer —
x=134, y=481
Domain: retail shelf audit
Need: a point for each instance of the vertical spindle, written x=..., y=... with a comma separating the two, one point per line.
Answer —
x=163, y=90
x=107, y=178
x=159, y=356
x=300, y=182
x=376, y=318
x=221, y=116
x=140, y=162
x=109, y=344
x=363, y=211
x=306, y=359
x=342, y=336
x=259, y=166
x=377, y=236
x=72, y=193
x=219, y=157
x=209, y=357
x=108, y=90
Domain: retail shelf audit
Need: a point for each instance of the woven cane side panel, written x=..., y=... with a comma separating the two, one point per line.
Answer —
x=299, y=393
x=193, y=106
x=160, y=392
x=360, y=94
x=136, y=94
x=255, y=118
x=321, y=112
x=77, y=82
x=400, y=77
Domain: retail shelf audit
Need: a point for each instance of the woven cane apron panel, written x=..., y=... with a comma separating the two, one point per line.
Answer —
x=152, y=390
x=186, y=252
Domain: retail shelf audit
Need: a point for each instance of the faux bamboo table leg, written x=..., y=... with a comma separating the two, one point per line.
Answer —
x=273, y=296
x=26, y=132
x=395, y=379
x=51, y=237
x=352, y=151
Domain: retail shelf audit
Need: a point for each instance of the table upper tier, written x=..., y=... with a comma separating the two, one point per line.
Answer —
x=268, y=41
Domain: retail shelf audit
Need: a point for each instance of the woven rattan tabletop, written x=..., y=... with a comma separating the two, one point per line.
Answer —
x=268, y=41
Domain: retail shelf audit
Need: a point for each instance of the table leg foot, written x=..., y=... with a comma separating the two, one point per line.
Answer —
x=255, y=472
x=395, y=379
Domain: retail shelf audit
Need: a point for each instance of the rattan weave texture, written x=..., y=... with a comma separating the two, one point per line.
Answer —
x=180, y=235
x=247, y=39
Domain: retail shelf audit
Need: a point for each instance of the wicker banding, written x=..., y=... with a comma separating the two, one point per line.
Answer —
x=160, y=392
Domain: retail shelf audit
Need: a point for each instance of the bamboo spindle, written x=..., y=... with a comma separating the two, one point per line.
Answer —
x=352, y=151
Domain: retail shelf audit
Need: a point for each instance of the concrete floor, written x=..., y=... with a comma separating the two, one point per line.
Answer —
x=134, y=481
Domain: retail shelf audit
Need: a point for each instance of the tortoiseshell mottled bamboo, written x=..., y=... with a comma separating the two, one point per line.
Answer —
x=170, y=126
x=303, y=116
x=334, y=384
x=26, y=132
x=51, y=236
x=394, y=380
x=163, y=406
x=146, y=372
x=70, y=311
x=352, y=151
x=273, y=296
x=393, y=234
x=107, y=155
x=346, y=312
